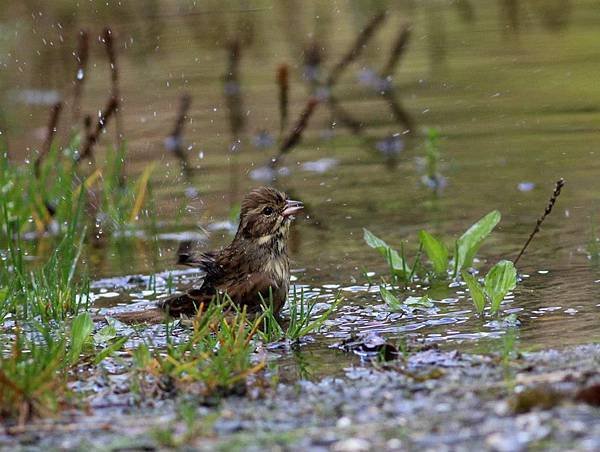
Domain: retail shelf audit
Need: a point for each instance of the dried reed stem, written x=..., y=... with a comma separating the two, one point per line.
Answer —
x=398, y=50
x=400, y=114
x=341, y=114
x=359, y=44
x=295, y=134
x=50, y=134
x=174, y=141
x=283, y=83
x=232, y=89
x=92, y=136
x=108, y=39
x=233, y=99
x=81, y=56
x=555, y=194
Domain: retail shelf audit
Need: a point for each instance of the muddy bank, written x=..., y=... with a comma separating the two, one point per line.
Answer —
x=427, y=400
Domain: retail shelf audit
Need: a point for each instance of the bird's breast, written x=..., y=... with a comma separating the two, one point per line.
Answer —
x=278, y=267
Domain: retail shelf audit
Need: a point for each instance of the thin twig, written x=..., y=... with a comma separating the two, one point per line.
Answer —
x=174, y=142
x=50, y=134
x=555, y=194
x=81, y=55
x=359, y=44
x=92, y=136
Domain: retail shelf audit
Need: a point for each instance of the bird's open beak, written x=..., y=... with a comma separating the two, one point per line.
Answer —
x=291, y=208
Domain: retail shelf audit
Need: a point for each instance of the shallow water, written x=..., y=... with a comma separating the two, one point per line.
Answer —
x=516, y=104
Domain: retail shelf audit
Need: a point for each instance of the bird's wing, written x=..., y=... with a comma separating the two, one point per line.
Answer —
x=251, y=290
x=186, y=303
x=247, y=291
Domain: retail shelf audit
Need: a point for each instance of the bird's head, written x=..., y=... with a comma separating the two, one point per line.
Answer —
x=266, y=214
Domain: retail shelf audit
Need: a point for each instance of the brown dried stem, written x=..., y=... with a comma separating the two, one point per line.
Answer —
x=50, y=134
x=284, y=87
x=81, y=56
x=92, y=136
x=233, y=99
x=295, y=134
x=359, y=44
x=174, y=141
x=400, y=114
x=233, y=95
x=108, y=39
x=343, y=116
x=555, y=194
x=398, y=50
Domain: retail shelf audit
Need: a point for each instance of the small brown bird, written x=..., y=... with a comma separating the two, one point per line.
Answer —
x=252, y=268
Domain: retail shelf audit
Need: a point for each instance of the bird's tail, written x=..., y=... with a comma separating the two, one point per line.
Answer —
x=153, y=315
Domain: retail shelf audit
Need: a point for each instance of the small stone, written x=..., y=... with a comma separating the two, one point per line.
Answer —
x=351, y=445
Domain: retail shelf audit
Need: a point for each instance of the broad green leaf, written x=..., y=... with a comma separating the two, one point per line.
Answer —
x=468, y=244
x=390, y=254
x=105, y=334
x=81, y=329
x=436, y=252
x=477, y=292
x=501, y=279
x=390, y=299
x=419, y=302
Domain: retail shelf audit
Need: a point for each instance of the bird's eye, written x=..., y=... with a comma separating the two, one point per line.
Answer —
x=267, y=211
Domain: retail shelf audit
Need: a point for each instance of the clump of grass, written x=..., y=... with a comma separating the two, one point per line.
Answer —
x=30, y=379
x=301, y=322
x=215, y=360
x=50, y=291
x=42, y=197
x=35, y=368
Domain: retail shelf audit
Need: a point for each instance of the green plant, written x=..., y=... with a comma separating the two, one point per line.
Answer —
x=397, y=264
x=35, y=371
x=501, y=279
x=43, y=198
x=465, y=248
x=215, y=359
x=408, y=305
x=301, y=322
x=50, y=291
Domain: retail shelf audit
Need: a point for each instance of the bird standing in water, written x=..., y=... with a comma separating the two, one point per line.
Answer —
x=252, y=268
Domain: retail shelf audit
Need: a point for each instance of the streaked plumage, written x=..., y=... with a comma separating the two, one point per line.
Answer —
x=254, y=265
